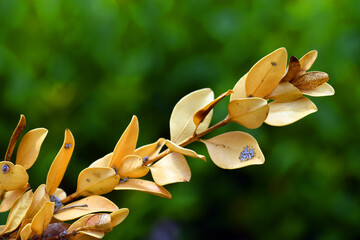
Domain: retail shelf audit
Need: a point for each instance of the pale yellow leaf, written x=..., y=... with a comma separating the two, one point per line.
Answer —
x=10, y=198
x=234, y=150
x=80, y=223
x=187, y=152
x=60, y=194
x=284, y=113
x=285, y=92
x=132, y=167
x=18, y=212
x=249, y=112
x=181, y=120
x=150, y=150
x=171, y=169
x=93, y=204
x=144, y=186
x=307, y=61
x=60, y=163
x=127, y=143
x=29, y=147
x=26, y=232
x=90, y=234
x=118, y=216
x=102, y=162
x=320, y=91
x=96, y=181
x=239, y=89
x=39, y=198
x=14, y=137
x=266, y=74
x=42, y=219
x=12, y=177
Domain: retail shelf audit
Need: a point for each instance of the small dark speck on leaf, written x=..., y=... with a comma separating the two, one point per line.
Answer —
x=88, y=180
x=273, y=63
x=67, y=146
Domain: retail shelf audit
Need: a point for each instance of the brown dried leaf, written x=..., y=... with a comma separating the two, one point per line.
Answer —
x=181, y=120
x=102, y=162
x=12, y=177
x=187, y=152
x=284, y=113
x=320, y=91
x=200, y=115
x=96, y=181
x=54, y=230
x=234, y=150
x=292, y=70
x=29, y=147
x=18, y=212
x=266, y=74
x=42, y=219
x=99, y=222
x=310, y=80
x=10, y=198
x=307, y=61
x=239, y=89
x=60, y=163
x=94, y=203
x=127, y=143
x=131, y=167
x=150, y=150
x=118, y=216
x=285, y=92
x=144, y=186
x=171, y=169
x=249, y=112
x=16, y=134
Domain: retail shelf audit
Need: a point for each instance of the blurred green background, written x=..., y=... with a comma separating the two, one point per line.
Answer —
x=90, y=65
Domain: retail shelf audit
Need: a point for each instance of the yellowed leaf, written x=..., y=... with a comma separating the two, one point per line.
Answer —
x=29, y=147
x=96, y=181
x=60, y=163
x=127, y=143
x=200, y=115
x=12, y=177
x=59, y=193
x=102, y=162
x=150, y=150
x=239, y=89
x=39, y=198
x=284, y=113
x=266, y=74
x=26, y=232
x=285, y=92
x=10, y=198
x=18, y=212
x=99, y=222
x=187, y=152
x=320, y=91
x=91, y=235
x=233, y=150
x=171, y=169
x=80, y=223
x=77, y=209
x=249, y=112
x=143, y=186
x=42, y=219
x=131, y=167
x=181, y=120
x=16, y=134
x=118, y=216
x=307, y=61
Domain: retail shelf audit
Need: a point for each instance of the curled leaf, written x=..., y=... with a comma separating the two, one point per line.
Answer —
x=181, y=120
x=60, y=163
x=307, y=61
x=239, y=89
x=132, y=167
x=29, y=147
x=150, y=150
x=118, y=216
x=42, y=219
x=320, y=91
x=12, y=177
x=187, y=152
x=99, y=222
x=234, y=150
x=144, y=186
x=102, y=162
x=284, y=113
x=249, y=112
x=171, y=169
x=26, y=232
x=16, y=134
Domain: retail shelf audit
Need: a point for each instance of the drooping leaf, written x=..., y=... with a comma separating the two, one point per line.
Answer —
x=127, y=143
x=29, y=147
x=18, y=212
x=132, y=167
x=60, y=163
x=12, y=177
x=201, y=114
x=307, y=61
x=181, y=120
x=285, y=92
x=249, y=112
x=233, y=150
x=16, y=134
x=119, y=216
x=102, y=162
x=187, y=152
x=77, y=209
x=171, y=169
x=150, y=150
x=10, y=198
x=320, y=91
x=144, y=186
x=239, y=89
x=96, y=181
x=266, y=74
x=284, y=113
x=42, y=219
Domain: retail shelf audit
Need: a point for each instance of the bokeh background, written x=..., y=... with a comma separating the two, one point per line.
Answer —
x=90, y=65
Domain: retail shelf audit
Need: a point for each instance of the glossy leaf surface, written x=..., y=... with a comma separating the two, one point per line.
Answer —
x=144, y=186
